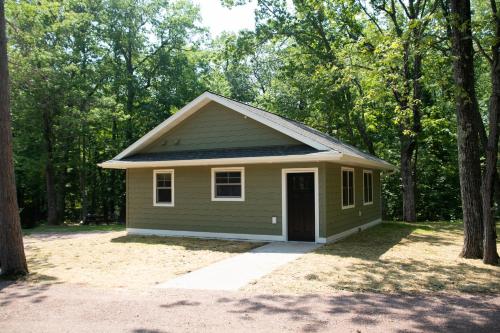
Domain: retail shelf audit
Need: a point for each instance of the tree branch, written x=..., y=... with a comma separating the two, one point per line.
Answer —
x=482, y=50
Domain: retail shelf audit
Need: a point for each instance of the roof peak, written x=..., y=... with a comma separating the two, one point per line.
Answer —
x=294, y=129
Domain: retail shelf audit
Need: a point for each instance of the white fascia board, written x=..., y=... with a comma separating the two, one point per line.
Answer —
x=360, y=161
x=316, y=157
x=197, y=104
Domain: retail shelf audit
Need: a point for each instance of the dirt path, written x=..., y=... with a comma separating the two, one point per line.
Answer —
x=71, y=308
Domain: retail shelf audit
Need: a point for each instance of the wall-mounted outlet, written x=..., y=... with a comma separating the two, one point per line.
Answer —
x=274, y=219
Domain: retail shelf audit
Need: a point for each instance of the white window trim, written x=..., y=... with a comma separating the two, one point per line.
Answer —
x=240, y=169
x=367, y=202
x=342, y=169
x=163, y=204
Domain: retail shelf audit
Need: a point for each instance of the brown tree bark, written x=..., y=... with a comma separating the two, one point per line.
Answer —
x=12, y=258
x=408, y=179
x=408, y=141
x=50, y=183
x=467, y=135
x=490, y=254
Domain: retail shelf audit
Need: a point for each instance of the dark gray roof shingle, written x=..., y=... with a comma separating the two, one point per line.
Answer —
x=222, y=153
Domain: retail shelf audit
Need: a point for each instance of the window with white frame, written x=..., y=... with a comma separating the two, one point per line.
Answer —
x=367, y=187
x=347, y=187
x=163, y=194
x=228, y=184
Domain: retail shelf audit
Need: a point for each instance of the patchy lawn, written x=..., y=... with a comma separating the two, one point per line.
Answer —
x=72, y=228
x=116, y=260
x=391, y=257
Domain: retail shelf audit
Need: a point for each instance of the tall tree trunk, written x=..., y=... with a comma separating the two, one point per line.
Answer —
x=408, y=179
x=83, y=174
x=467, y=134
x=490, y=254
x=61, y=195
x=12, y=258
x=412, y=72
x=129, y=133
x=50, y=183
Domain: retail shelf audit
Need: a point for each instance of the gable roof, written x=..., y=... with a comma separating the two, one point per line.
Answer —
x=331, y=148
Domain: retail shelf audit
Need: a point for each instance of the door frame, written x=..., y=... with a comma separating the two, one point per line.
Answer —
x=284, y=200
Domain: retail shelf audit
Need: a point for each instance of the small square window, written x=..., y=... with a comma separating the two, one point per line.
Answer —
x=228, y=184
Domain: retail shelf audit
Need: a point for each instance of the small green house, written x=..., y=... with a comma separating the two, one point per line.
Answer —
x=222, y=169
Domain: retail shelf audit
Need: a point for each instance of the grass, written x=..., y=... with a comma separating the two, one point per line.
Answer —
x=71, y=228
x=114, y=260
x=391, y=257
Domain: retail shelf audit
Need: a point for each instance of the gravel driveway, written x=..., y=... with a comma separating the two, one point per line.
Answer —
x=72, y=308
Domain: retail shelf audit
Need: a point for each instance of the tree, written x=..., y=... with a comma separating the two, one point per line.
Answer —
x=477, y=190
x=490, y=140
x=408, y=23
x=12, y=258
x=89, y=77
x=467, y=134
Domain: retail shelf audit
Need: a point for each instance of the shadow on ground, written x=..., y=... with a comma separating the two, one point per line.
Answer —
x=25, y=307
x=401, y=313
x=191, y=244
x=433, y=267
x=23, y=290
x=372, y=243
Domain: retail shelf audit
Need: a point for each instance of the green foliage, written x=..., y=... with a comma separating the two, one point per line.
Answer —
x=90, y=77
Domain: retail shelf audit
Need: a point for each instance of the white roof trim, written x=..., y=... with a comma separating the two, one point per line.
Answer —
x=363, y=162
x=197, y=104
x=315, y=157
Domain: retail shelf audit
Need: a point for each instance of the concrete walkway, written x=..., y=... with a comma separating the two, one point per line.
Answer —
x=238, y=271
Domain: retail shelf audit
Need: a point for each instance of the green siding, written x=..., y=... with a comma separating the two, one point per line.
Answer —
x=215, y=126
x=194, y=210
x=338, y=219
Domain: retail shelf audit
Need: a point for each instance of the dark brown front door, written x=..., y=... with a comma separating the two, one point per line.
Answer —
x=300, y=206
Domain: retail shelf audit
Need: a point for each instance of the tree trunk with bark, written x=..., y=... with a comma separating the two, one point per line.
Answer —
x=12, y=257
x=408, y=179
x=408, y=150
x=490, y=254
x=50, y=183
x=467, y=134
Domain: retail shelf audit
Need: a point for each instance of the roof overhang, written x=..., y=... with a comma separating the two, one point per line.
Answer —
x=362, y=162
x=328, y=156
x=315, y=157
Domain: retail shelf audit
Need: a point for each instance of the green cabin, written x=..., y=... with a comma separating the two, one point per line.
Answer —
x=219, y=168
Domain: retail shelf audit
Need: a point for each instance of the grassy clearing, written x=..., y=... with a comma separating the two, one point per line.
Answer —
x=391, y=257
x=72, y=228
x=116, y=260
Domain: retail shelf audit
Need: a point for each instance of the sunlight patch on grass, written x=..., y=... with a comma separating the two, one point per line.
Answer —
x=116, y=260
x=391, y=257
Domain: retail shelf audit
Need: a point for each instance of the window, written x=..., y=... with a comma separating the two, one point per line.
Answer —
x=228, y=184
x=163, y=194
x=367, y=187
x=347, y=188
